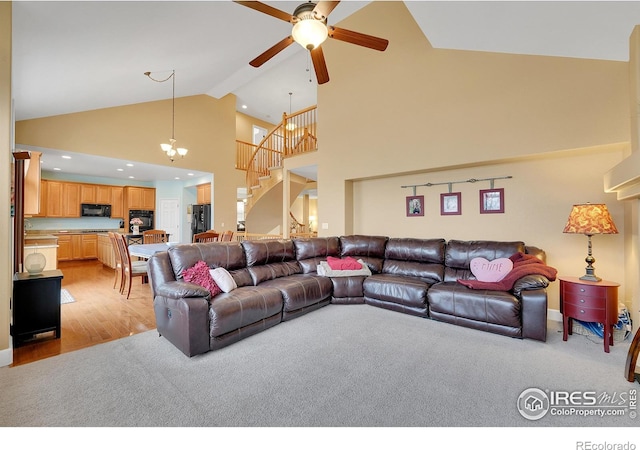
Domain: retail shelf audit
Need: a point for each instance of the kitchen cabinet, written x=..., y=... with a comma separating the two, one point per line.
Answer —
x=88, y=193
x=203, y=194
x=32, y=185
x=43, y=199
x=95, y=193
x=103, y=195
x=117, y=202
x=63, y=199
x=106, y=254
x=77, y=246
x=136, y=197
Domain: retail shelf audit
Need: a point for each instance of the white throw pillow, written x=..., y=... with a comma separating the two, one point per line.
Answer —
x=223, y=279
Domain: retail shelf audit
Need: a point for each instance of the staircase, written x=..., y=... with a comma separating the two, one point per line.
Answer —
x=295, y=135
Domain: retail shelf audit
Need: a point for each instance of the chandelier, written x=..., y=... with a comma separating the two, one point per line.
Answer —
x=170, y=149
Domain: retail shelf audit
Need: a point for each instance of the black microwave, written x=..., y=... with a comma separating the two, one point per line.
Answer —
x=93, y=210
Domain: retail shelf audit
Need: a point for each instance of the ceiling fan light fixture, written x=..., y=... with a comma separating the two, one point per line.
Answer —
x=310, y=33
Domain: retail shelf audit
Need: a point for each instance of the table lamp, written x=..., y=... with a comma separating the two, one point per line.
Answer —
x=590, y=219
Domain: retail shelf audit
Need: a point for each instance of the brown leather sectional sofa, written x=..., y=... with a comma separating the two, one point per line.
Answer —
x=277, y=281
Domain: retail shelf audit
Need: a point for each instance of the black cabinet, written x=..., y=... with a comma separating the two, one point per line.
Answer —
x=35, y=305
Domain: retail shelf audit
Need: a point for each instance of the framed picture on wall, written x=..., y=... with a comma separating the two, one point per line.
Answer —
x=415, y=205
x=491, y=201
x=451, y=204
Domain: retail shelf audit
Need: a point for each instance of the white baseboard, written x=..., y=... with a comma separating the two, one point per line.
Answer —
x=554, y=314
x=6, y=357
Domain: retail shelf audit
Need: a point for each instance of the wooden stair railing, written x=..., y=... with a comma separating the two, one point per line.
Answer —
x=296, y=134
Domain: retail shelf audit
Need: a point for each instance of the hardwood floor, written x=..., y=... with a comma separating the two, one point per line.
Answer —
x=99, y=313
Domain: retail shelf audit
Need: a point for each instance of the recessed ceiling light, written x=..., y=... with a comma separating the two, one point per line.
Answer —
x=56, y=168
x=190, y=174
x=120, y=170
x=66, y=157
x=244, y=106
x=176, y=178
x=129, y=165
x=131, y=176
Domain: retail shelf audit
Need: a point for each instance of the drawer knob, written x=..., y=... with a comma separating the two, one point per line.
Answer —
x=581, y=300
x=582, y=311
x=581, y=289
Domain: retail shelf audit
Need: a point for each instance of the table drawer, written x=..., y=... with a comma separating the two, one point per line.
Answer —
x=585, y=314
x=583, y=290
x=584, y=301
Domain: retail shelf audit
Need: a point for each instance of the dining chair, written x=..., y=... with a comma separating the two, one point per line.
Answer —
x=131, y=269
x=118, y=275
x=154, y=236
x=227, y=236
x=206, y=236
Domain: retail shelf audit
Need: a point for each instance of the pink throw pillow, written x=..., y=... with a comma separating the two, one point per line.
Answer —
x=199, y=274
x=347, y=263
x=490, y=271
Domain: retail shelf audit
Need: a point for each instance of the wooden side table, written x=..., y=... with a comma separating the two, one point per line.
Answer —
x=589, y=301
x=36, y=304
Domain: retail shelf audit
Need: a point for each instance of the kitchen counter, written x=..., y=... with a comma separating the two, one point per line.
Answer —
x=47, y=244
x=38, y=234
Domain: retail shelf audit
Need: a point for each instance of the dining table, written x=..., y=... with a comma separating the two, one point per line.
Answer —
x=147, y=250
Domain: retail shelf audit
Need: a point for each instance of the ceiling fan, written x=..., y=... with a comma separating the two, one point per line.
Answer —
x=310, y=30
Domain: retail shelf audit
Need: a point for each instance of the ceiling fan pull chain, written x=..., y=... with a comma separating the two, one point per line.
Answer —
x=309, y=66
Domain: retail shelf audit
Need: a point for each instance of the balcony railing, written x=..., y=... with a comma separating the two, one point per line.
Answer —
x=296, y=134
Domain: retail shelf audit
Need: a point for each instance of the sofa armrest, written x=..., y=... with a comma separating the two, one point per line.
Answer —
x=530, y=282
x=181, y=289
x=184, y=322
x=534, y=313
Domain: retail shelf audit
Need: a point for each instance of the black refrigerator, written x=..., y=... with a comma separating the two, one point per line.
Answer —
x=201, y=219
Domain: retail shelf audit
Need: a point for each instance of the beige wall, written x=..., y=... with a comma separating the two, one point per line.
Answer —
x=244, y=126
x=6, y=236
x=204, y=125
x=414, y=114
x=538, y=200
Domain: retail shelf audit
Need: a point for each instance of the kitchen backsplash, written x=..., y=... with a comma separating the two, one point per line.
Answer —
x=84, y=223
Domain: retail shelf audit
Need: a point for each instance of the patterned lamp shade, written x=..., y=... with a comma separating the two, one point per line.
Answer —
x=590, y=219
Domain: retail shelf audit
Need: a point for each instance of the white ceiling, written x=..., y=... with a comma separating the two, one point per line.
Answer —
x=82, y=55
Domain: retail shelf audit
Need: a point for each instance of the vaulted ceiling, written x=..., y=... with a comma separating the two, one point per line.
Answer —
x=82, y=55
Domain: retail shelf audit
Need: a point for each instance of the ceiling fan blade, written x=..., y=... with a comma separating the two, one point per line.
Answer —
x=266, y=9
x=324, y=8
x=319, y=64
x=273, y=51
x=354, y=37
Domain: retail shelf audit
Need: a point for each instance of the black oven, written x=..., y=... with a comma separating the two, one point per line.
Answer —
x=145, y=216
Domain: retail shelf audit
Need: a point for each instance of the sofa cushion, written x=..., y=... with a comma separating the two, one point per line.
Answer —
x=229, y=255
x=301, y=291
x=454, y=299
x=260, y=274
x=368, y=248
x=311, y=251
x=268, y=251
x=199, y=274
x=398, y=289
x=241, y=307
x=458, y=255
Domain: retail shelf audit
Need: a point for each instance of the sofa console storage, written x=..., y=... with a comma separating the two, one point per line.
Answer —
x=277, y=280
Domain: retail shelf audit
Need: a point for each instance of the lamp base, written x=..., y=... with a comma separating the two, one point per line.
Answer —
x=591, y=277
